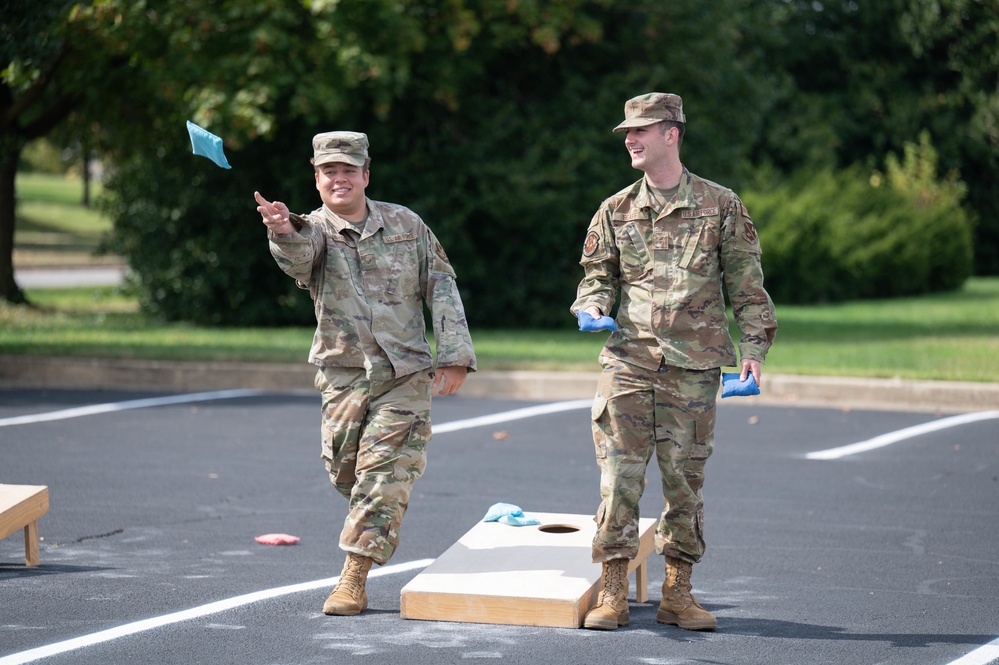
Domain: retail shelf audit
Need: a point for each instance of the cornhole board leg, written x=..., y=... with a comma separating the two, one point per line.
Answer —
x=20, y=508
x=520, y=575
x=642, y=581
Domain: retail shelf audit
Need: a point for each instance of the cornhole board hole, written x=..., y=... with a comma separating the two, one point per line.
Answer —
x=20, y=508
x=520, y=575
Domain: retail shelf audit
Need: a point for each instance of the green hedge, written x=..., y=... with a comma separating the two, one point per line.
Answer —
x=834, y=236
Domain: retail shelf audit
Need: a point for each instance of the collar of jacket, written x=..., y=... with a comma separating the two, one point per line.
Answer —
x=372, y=226
x=684, y=197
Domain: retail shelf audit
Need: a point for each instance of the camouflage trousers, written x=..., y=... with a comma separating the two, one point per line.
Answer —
x=638, y=413
x=374, y=439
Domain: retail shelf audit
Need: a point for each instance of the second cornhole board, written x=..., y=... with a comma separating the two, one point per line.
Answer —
x=520, y=575
x=20, y=508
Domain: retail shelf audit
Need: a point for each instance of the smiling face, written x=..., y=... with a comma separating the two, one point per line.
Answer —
x=648, y=147
x=341, y=187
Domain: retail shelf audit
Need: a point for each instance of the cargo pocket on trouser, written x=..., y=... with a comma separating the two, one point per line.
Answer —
x=596, y=413
x=704, y=441
x=340, y=454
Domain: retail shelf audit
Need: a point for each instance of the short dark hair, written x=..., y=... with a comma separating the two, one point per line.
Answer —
x=666, y=124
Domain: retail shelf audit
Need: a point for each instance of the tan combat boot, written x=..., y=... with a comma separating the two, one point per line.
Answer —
x=612, y=605
x=349, y=597
x=678, y=607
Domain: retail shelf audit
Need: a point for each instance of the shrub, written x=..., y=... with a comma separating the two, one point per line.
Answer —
x=834, y=236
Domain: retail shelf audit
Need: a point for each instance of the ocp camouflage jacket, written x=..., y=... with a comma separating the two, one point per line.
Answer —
x=369, y=299
x=668, y=271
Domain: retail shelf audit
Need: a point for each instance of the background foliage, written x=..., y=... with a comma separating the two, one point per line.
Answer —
x=491, y=119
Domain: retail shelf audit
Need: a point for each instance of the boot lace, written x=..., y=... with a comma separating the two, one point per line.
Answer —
x=351, y=577
x=613, y=581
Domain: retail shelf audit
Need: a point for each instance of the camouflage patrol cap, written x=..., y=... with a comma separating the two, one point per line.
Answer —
x=650, y=108
x=348, y=147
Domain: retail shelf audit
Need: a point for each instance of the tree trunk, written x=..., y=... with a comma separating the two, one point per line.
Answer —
x=86, y=176
x=9, y=290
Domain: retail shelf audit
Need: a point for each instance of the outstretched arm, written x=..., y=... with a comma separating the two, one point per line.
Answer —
x=274, y=214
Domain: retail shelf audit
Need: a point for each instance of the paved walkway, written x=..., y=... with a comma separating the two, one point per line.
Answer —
x=54, y=278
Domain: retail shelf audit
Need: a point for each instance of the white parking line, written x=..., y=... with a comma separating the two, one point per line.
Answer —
x=980, y=656
x=193, y=613
x=111, y=407
x=222, y=605
x=516, y=414
x=900, y=435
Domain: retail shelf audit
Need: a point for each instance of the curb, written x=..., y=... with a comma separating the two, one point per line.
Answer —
x=778, y=389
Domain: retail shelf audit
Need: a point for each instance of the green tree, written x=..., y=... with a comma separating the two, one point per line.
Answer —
x=859, y=80
x=491, y=119
x=961, y=38
x=65, y=67
x=33, y=101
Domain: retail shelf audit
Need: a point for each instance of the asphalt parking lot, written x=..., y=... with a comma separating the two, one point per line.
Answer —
x=887, y=555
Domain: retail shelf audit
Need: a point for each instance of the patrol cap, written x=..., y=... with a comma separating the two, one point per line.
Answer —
x=650, y=108
x=348, y=147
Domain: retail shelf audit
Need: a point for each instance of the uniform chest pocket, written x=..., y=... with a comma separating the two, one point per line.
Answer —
x=633, y=252
x=342, y=269
x=700, y=249
x=390, y=260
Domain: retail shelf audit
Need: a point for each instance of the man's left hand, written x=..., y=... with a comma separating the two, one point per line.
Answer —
x=751, y=367
x=449, y=379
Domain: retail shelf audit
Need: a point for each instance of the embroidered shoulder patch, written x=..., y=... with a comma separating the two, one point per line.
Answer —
x=749, y=232
x=703, y=212
x=440, y=253
x=591, y=243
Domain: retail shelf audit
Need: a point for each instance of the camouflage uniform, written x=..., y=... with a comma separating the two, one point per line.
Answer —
x=376, y=366
x=657, y=391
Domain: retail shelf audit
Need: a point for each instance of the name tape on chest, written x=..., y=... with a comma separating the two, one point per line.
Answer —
x=703, y=212
x=400, y=237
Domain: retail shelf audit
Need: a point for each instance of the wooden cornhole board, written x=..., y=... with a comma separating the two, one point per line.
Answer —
x=521, y=575
x=20, y=508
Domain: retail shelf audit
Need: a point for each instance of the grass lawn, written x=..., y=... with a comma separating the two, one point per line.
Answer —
x=951, y=336
x=53, y=228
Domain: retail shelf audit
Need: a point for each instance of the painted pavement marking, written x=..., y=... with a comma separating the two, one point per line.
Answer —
x=194, y=613
x=112, y=407
x=900, y=435
x=983, y=655
x=238, y=601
